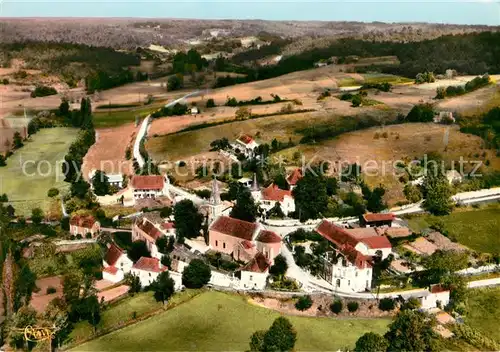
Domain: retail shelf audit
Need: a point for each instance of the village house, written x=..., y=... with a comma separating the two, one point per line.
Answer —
x=349, y=265
x=84, y=224
x=115, y=264
x=376, y=219
x=147, y=270
x=115, y=180
x=150, y=186
x=246, y=145
x=269, y=196
x=436, y=297
x=254, y=274
x=148, y=231
x=294, y=177
x=242, y=239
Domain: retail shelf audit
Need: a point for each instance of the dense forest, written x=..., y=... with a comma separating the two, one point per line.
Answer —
x=468, y=54
x=73, y=61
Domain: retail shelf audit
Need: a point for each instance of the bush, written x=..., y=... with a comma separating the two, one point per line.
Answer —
x=88, y=235
x=386, y=304
x=51, y=290
x=78, y=237
x=43, y=91
x=53, y=192
x=352, y=306
x=304, y=303
x=336, y=306
x=211, y=103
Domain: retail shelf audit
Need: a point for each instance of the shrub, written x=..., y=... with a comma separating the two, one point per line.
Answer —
x=211, y=103
x=51, y=290
x=53, y=192
x=304, y=303
x=78, y=237
x=72, y=237
x=386, y=304
x=336, y=306
x=43, y=91
x=88, y=235
x=352, y=306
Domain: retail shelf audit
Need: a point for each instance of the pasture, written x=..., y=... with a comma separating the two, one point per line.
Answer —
x=478, y=229
x=35, y=168
x=215, y=321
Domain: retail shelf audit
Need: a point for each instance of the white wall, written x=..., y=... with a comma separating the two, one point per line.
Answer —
x=431, y=301
x=119, y=276
x=146, y=277
x=251, y=280
x=351, y=278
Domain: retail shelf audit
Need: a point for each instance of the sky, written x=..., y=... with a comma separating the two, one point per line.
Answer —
x=444, y=11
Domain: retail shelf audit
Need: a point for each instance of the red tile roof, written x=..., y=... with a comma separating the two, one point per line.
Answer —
x=246, y=139
x=110, y=269
x=113, y=254
x=149, y=229
x=438, y=289
x=335, y=234
x=168, y=225
x=85, y=221
x=247, y=244
x=376, y=242
x=356, y=257
x=294, y=177
x=149, y=264
x=265, y=236
x=273, y=192
x=258, y=264
x=371, y=217
x=234, y=227
x=149, y=182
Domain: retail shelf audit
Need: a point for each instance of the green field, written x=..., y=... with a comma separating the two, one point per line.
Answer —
x=483, y=309
x=215, y=321
x=107, y=119
x=35, y=168
x=185, y=144
x=478, y=229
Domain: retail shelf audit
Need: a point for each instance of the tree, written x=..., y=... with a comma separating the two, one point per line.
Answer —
x=17, y=141
x=304, y=303
x=275, y=212
x=187, y=219
x=411, y=331
x=211, y=103
x=437, y=194
x=56, y=314
x=336, y=306
x=166, y=261
x=412, y=193
x=64, y=107
x=134, y=282
x=442, y=263
x=165, y=212
x=53, y=192
x=79, y=189
x=3, y=161
x=137, y=250
x=356, y=100
x=37, y=216
x=72, y=286
x=175, y=82
x=371, y=342
x=374, y=199
x=257, y=341
x=25, y=316
x=310, y=196
x=100, y=183
x=281, y=336
x=197, y=274
x=420, y=113
x=245, y=208
x=279, y=267
x=163, y=287
x=25, y=284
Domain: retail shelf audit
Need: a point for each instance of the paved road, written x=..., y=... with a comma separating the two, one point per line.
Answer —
x=144, y=128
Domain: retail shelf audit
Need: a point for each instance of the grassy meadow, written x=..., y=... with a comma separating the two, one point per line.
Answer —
x=215, y=321
x=33, y=169
x=483, y=309
x=478, y=229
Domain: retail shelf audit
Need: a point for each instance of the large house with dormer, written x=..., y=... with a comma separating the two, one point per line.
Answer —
x=348, y=266
x=150, y=186
x=115, y=264
x=83, y=225
x=272, y=194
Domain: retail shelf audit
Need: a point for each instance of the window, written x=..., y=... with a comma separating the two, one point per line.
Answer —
x=251, y=277
x=223, y=244
x=356, y=274
x=216, y=243
x=338, y=282
x=149, y=274
x=348, y=282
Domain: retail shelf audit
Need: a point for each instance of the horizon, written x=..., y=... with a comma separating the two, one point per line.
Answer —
x=451, y=12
